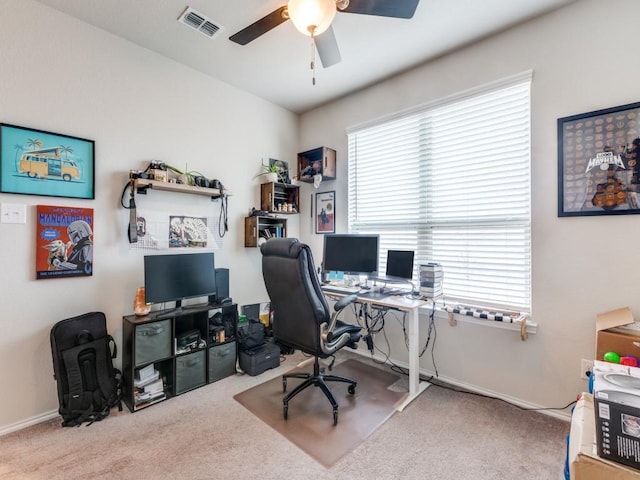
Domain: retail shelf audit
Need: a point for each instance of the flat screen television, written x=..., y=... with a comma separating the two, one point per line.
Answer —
x=173, y=278
x=352, y=254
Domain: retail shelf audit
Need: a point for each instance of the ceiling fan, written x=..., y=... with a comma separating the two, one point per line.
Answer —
x=314, y=17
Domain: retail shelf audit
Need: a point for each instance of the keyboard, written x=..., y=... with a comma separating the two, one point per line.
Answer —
x=337, y=289
x=384, y=294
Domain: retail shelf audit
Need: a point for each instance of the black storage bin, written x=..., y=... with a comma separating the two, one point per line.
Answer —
x=153, y=341
x=222, y=361
x=191, y=371
x=259, y=359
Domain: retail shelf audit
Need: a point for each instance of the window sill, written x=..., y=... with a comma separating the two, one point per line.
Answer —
x=454, y=318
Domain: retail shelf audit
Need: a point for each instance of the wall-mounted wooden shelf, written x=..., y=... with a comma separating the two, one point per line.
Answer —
x=324, y=158
x=263, y=227
x=274, y=195
x=142, y=185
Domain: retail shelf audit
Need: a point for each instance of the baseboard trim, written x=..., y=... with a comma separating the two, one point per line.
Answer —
x=14, y=427
x=566, y=416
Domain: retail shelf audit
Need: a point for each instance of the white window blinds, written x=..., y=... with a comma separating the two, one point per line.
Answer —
x=452, y=182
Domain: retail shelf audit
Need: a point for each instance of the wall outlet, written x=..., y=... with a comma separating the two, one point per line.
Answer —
x=585, y=366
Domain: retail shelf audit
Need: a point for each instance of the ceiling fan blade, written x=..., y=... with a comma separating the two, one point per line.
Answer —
x=260, y=27
x=327, y=47
x=383, y=8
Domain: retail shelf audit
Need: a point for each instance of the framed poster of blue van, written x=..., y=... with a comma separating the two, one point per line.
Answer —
x=35, y=162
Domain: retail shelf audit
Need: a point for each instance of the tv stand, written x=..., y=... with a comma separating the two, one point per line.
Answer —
x=150, y=346
x=171, y=312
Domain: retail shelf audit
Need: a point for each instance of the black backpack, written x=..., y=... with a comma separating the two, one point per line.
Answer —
x=88, y=384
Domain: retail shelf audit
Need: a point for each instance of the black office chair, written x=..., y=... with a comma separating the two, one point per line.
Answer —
x=302, y=319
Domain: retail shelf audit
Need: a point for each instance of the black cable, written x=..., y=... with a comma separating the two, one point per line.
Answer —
x=482, y=395
x=132, y=231
x=430, y=330
x=124, y=190
x=223, y=225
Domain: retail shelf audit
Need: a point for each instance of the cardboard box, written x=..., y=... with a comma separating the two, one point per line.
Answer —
x=616, y=391
x=617, y=332
x=584, y=462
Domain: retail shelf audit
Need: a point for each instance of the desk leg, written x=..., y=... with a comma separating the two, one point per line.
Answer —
x=416, y=387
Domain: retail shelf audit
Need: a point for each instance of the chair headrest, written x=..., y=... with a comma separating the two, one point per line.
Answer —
x=282, y=247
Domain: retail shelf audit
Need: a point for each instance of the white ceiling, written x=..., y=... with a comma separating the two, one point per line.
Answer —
x=276, y=65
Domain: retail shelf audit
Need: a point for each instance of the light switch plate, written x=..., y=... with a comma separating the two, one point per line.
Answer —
x=13, y=213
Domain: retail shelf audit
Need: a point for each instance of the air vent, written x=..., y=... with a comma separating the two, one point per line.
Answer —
x=199, y=22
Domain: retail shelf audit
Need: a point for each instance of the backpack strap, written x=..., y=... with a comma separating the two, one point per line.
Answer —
x=117, y=376
x=74, y=376
x=100, y=391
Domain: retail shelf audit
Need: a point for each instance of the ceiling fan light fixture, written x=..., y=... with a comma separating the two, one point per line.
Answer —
x=312, y=17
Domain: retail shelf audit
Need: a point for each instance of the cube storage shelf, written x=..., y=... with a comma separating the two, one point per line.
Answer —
x=153, y=356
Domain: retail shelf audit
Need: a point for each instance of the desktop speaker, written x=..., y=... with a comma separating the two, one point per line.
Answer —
x=222, y=283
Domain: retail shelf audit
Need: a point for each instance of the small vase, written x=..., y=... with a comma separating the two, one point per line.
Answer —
x=271, y=177
x=140, y=306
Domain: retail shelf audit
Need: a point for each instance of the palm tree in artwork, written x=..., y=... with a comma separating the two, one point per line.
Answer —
x=19, y=149
x=34, y=143
x=67, y=151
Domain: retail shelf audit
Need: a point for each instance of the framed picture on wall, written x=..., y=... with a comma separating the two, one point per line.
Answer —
x=64, y=242
x=282, y=169
x=325, y=216
x=598, y=155
x=35, y=162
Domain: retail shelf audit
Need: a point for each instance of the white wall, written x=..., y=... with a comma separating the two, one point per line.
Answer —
x=64, y=76
x=583, y=58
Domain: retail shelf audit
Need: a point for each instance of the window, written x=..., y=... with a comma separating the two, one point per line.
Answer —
x=451, y=180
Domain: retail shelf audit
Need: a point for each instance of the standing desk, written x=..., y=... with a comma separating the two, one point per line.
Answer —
x=411, y=306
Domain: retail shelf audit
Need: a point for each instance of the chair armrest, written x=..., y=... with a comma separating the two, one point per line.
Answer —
x=344, y=301
x=338, y=307
x=328, y=342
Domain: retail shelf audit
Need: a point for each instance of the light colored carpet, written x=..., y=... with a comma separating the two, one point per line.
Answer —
x=205, y=434
x=310, y=419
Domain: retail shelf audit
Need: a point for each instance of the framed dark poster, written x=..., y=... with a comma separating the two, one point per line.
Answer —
x=598, y=170
x=326, y=212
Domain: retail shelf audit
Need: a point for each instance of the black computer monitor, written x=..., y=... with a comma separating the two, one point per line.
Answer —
x=177, y=277
x=352, y=254
x=400, y=264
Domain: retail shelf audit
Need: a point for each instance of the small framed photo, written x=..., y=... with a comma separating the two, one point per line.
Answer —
x=35, y=162
x=598, y=169
x=326, y=212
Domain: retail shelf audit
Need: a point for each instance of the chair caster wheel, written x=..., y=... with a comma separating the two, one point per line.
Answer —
x=352, y=389
x=285, y=411
x=284, y=385
x=335, y=417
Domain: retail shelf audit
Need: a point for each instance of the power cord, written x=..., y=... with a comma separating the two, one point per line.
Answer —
x=223, y=223
x=458, y=390
x=431, y=332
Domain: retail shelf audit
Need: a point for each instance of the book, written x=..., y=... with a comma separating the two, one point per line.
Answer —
x=146, y=372
x=146, y=381
x=148, y=397
x=154, y=387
